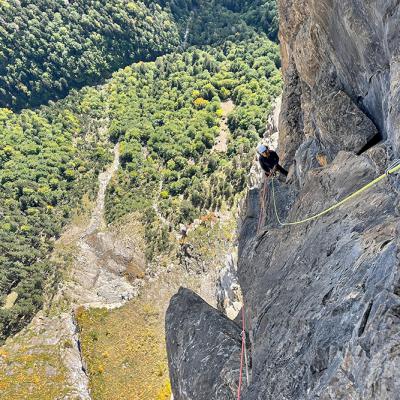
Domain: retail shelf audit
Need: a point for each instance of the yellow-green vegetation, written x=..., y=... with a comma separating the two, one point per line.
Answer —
x=213, y=237
x=34, y=373
x=125, y=352
x=10, y=300
x=165, y=392
x=166, y=116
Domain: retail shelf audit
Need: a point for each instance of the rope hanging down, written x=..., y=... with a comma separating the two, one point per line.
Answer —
x=393, y=168
x=243, y=356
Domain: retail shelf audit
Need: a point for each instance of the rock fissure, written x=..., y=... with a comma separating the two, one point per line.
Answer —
x=79, y=346
x=364, y=319
x=375, y=140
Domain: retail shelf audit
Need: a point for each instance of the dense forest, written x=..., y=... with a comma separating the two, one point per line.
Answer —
x=165, y=113
x=262, y=14
x=47, y=160
x=49, y=46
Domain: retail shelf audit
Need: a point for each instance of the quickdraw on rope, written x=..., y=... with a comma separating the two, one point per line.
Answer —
x=393, y=168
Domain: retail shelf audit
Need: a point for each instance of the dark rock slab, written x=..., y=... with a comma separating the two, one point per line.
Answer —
x=203, y=349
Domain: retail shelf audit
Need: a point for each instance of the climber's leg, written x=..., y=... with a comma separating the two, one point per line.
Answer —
x=282, y=170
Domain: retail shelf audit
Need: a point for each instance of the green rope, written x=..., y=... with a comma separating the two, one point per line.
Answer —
x=392, y=169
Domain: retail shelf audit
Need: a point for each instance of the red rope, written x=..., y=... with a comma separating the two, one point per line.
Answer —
x=242, y=354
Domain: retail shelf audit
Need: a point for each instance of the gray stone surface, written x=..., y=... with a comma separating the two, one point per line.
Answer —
x=203, y=349
x=341, y=59
x=321, y=297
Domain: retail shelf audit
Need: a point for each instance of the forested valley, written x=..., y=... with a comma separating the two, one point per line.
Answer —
x=180, y=59
x=48, y=47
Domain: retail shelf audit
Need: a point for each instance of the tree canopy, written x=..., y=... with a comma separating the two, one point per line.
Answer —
x=50, y=46
x=167, y=121
x=47, y=160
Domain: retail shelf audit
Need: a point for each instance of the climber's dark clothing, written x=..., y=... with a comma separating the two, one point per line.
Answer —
x=271, y=162
x=282, y=170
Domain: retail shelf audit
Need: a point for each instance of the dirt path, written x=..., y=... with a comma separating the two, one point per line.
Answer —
x=44, y=360
x=187, y=31
x=221, y=144
x=98, y=277
x=97, y=220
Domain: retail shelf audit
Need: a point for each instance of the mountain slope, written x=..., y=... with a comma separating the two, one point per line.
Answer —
x=321, y=299
x=50, y=47
x=165, y=114
x=48, y=160
x=183, y=128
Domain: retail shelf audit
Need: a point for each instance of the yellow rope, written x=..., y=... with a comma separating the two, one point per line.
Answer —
x=348, y=198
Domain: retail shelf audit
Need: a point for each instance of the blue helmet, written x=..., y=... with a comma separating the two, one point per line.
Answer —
x=261, y=149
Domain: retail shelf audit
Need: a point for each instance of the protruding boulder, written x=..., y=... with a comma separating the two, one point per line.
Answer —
x=203, y=349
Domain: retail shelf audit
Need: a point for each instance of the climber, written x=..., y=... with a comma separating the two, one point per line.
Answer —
x=269, y=161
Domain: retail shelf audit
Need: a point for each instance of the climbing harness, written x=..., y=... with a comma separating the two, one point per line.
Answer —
x=243, y=356
x=392, y=169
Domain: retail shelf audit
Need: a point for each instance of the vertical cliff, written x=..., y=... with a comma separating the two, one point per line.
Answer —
x=341, y=66
x=322, y=299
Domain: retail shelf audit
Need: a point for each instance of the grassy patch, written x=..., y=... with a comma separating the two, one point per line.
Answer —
x=34, y=373
x=124, y=349
x=10, y=300
x=125, y=352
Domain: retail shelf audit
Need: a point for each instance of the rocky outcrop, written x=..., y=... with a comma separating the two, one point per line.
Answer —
x=229, y=295
x=341, y=67
x=108, y=264
x=46, y=352
x=322, y=299
x=200, y=337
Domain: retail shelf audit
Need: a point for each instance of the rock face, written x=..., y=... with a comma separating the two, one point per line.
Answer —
x=322, y=299
x=341, y=65
x=106, y=266
x=199, y=337
x=229, y=296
